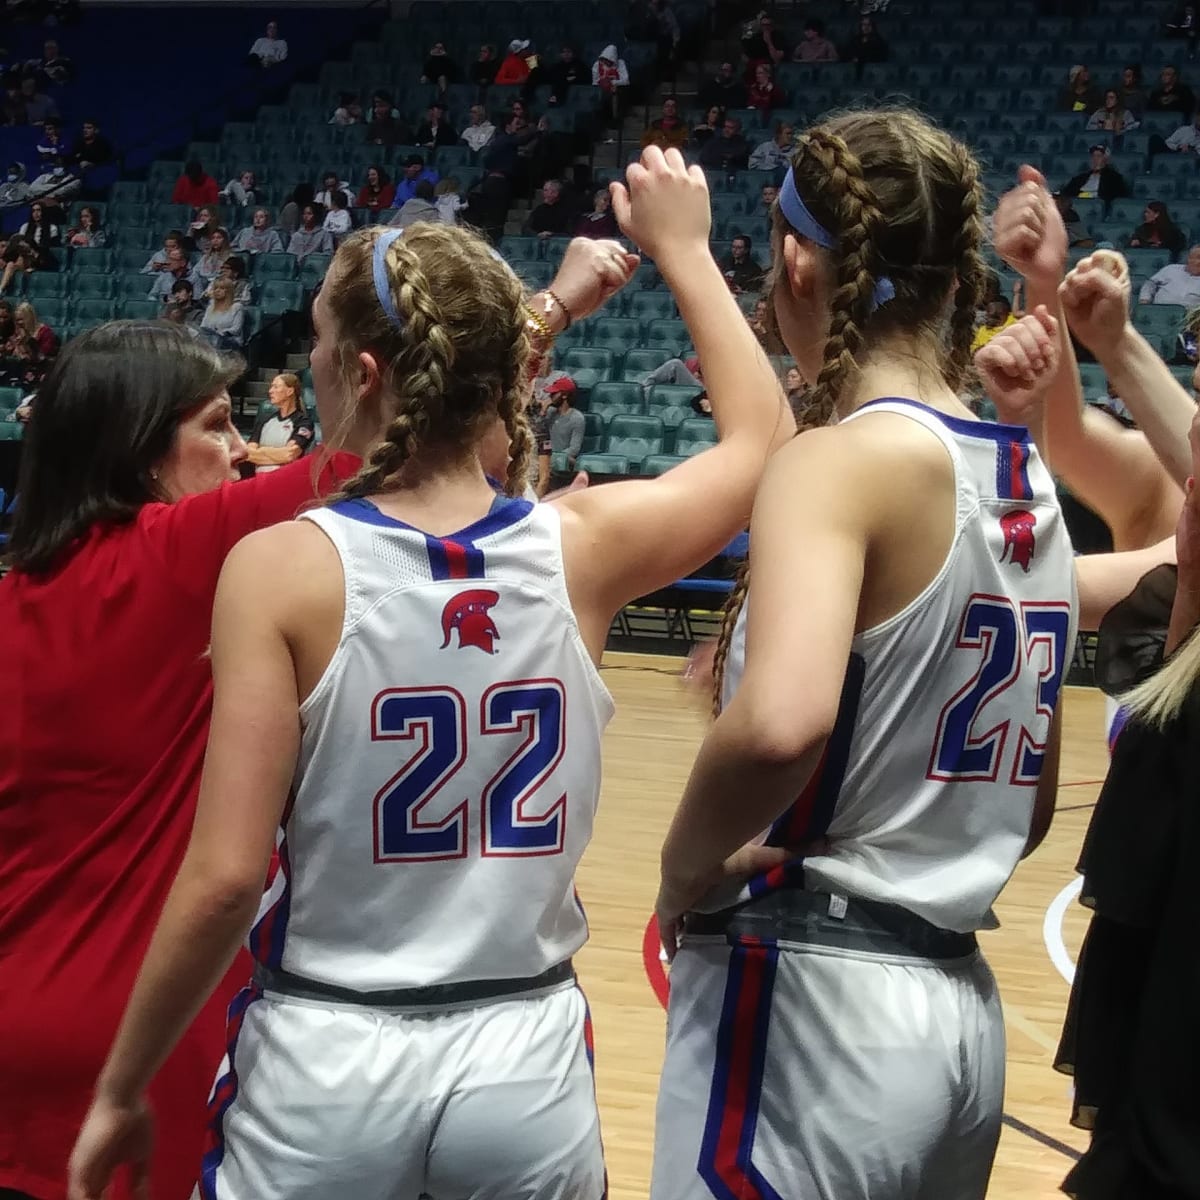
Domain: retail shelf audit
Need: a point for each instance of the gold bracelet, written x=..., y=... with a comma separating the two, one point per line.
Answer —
x=538, y=326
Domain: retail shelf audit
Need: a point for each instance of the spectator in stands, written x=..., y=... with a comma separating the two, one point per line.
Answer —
x=55, y=183
x=1113, y=117
x=1157, y=231
x=88, y=234
x=39, y=108
x=729, y=151
x=726, y=91
x=439, y=67
x=770, y=194
x=160, y=260
x=1171, y=95
x=708, y=128
x=337, y=221
x=420, y=206
x=54, y=67
x=1185, y=139
x=224, y=320
x=1176, y=283
x=1080, y=95
x=19, y=258
x=386, y=128
x=51, y=143
x=233, y=269
x=13, y=110
x=762, y=45
x=677, y=372
x=480, y=131
x=1100, y=179
x=867, y=46
x=182, y=298
x=764, y=94
x=270, y=50
x=242, y=192
x=91, y=148
x=655, y=21
x=9, y=334
x=483, y=69
x=258, y=237
x=195, y=187
x=796, y=391
x=435, y=130
x=284, y=431
x=487, y=201
x=1133, y=94
x=600, y=222
x=565, y=74
x=999, y=315
x=14, y=190
x=448, y=200
x=1183, y=24
x=814, y=46
x=515, y=68
x=290, y=214
x=668, y=130
x=348, y=112
x=42, y=336
x=765, y=328
x=310, y=238
x=377, y=192
x=330, y=184
x=201, y=230
x=741, y=272
x=43, y=235
x=775, y=153
x=551, y=218
x=567, y=427
x=213, y=259
x=177, y=268
x=611, y=76
x=415, y=172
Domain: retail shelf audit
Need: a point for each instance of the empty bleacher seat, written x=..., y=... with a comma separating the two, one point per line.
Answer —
x=280, y=296
x=587, y=365
x=671, y=335
x=614, y=398
x=695, y=435
x=603, y=464
x=89, y=261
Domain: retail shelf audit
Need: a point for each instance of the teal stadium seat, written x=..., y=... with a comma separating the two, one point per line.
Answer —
x=588, y=365
x=125, y=190
x=671, y=335
x=594, y=426
x=45, y=283
x=93, y=310
x=603, y=464
x=92, y=287
x=140, y=310
x=521, y=249
x=91, y=262
x=615, y=399
x=274, y=266
x=651, y=306
x=694, y=436
x=638, y=363
x=281, y=295
x=313, y=269
x=671, y=403
x=617, y=333
x=635, y=437
x=659, y=464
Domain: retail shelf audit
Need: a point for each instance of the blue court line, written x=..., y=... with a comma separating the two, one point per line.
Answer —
x=1051, y=1143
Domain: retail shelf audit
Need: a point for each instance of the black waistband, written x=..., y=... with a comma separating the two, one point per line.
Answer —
x=843, y=922
x=438, y=995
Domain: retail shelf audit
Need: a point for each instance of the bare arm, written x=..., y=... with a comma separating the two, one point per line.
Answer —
x=279, y=456
x=1047, y=788
x=643, y=535
x=1106, y=579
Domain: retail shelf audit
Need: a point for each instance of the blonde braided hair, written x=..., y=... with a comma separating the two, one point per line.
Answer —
x=455, y=363
x=903, y=200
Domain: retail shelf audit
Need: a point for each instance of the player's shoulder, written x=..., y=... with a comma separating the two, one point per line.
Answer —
x=280, y=553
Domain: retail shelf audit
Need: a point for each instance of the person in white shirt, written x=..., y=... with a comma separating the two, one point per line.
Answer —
x=1187, y=137
x=337, y=219
x=1178, y=283
x=271, y=50
x=330, y=184
x=480, y=131
x=259, y=237
x=768, y=156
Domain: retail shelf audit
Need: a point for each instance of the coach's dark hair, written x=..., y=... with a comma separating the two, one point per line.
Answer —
x=104, y=417
x=903, y=200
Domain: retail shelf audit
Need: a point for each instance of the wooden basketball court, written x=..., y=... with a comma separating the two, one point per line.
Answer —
x=648, y=753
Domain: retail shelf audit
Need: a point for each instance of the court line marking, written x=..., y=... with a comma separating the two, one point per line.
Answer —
x=1044, y=1139
x=1052, y=928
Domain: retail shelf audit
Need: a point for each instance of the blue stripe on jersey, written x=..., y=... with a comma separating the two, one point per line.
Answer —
x=454, y=558
x=504, y=512
x=991, y=430
x=727, y=1148
x=812, y=813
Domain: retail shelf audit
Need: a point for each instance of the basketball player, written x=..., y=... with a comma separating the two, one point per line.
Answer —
x=414, y=722
x=889, y=695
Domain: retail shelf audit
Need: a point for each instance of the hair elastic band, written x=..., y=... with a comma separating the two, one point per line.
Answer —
x=805, y=224
x=379, y=271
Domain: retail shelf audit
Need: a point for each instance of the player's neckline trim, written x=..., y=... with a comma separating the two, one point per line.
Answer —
x=505, y=511
x=991, y=430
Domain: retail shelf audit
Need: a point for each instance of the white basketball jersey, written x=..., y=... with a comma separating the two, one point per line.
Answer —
x=449, y=764
x=927, y=784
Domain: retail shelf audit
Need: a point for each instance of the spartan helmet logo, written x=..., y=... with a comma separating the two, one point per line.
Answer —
x=1019, y=543
x=468, y=613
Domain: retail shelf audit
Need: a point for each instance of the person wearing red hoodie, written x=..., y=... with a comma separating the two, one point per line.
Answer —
x=516, y=67
x=195, y=187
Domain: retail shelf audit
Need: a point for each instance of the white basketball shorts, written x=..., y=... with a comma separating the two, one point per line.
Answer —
x=822, y=1074
x=320, y=1101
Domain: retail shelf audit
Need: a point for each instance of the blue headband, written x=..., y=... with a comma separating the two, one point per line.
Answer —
x=805, y=224
x=379, y=270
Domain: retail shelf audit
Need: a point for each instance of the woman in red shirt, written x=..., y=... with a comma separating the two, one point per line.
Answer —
x=195, y=187
x=129, y=506
x=378, y=192
x=764, y=94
